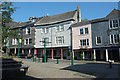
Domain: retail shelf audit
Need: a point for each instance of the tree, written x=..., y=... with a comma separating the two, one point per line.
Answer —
x=6, y=9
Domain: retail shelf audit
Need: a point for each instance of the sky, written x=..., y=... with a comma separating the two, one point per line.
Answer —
x=89, y=10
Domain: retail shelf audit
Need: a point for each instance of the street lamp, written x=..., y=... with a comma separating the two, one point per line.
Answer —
x=71, y=48
x=44, y=56
x=18, y=44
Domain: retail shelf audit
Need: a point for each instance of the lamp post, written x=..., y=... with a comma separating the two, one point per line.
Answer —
x=18, y=44
x=71, y=48
x=45, y=49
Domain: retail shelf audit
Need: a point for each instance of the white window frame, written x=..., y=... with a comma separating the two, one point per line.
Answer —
x=44, y=30
x=83, y=31
x=57, y=39
x=114, y=39
x=14, y=41
x=28, y=43
x=112, y=23
x=57, y=28
x=26, y=30
x=42, y=39
x=61, y=27
x=81, y=44
x=100, y=39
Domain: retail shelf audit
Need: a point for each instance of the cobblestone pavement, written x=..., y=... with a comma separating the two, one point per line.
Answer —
x=80, y=69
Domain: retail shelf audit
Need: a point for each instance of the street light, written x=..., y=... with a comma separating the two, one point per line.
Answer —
x=44, y=56
x=18, y=44
x=71, y=48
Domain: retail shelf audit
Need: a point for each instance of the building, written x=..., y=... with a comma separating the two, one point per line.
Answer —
x=55, y=30
x=26, y=37
x=98, y=39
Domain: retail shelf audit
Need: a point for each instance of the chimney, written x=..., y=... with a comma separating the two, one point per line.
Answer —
x=78, y=14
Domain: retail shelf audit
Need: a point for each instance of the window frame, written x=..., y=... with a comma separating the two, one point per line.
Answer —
x=111, y=23
x=84, y=42
x=59, y=40
x=82, y=31
x=85, y=30
x=28, y=29
x=97, y=40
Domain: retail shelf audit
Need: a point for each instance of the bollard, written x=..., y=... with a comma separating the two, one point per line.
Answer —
x=57, y=61
x=110, y=64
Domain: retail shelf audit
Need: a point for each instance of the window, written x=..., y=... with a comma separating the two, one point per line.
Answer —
x=14, y=41
x=111, y=39
x=47, y=40
x=60, y=40
x=115, y=39
x=81, y=31
x=27, y=41
x=81, y=42
x=87, y=41
x=110, y=24
x=86, y=30
x=84, y=42
x=57, y=28
x=98, y=40
x=45, y=30
x=28, y=31
x=30, y=40
x=114, y=23
x=62, y=27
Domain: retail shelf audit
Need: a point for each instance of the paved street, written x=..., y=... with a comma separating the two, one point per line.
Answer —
x=80, y=69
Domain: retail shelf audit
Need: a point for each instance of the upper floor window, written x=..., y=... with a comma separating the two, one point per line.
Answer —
x=45, y=30
x=84, y=42
x=46, y=41
x=81, y=31
x=114, y=38
x=30, y=40
x=27, y=41
x=14, y=41
x=60, y=40
x=28, y=30
x=98, y=40
x=60, y=28
x=84, y=31
x=114, y=23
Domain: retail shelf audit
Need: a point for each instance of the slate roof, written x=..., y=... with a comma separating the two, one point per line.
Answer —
x=113, y=14
x=81, y=23
x=14, y=25
x=57, y=18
